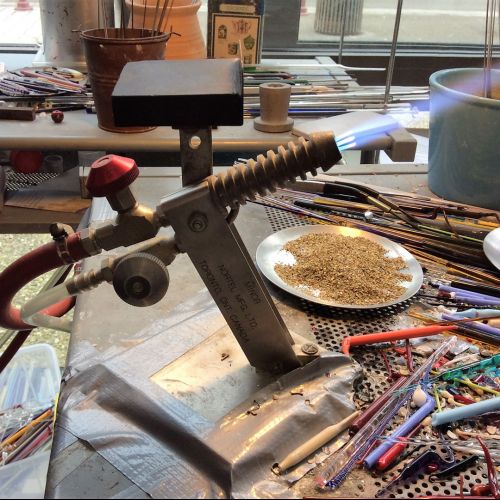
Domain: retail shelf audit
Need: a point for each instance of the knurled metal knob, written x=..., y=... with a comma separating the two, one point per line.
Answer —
x=141, y=279
x=111, y=174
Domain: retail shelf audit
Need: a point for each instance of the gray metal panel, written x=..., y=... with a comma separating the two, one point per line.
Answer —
x=80, y=132
x=277, y=33
x=233, y=280
x=80, y=481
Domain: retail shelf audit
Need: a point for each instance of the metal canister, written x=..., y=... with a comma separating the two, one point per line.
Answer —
x=330, y=16
x=107, y=52
x=62, y=22
x=464, y=145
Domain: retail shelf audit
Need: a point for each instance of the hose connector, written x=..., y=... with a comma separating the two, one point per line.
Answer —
x=89, y=280
x=274, y=170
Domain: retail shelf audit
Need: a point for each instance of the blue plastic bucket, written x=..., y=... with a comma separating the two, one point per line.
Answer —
x=464, y=147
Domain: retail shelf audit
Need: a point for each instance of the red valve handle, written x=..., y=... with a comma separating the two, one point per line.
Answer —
x=111, y=174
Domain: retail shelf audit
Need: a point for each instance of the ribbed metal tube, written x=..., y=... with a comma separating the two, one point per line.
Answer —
x=331, y=14
x=274, y=170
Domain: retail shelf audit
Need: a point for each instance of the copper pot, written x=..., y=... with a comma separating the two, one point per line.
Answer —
x=107, y=51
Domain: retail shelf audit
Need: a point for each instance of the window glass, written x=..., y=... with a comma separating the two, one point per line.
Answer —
x=453, y=22
x=202, y=16
x=423, y=21
x=18, y=26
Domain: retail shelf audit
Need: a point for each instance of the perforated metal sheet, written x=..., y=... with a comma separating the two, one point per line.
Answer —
x=330, y=326
x=16, y=181
x=421, y=486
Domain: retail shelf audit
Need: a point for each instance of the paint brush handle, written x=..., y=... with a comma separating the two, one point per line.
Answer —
x=462, y=291
x=315, y=443
x=476, y=287
x=475, y=324
x=476, y=301
x=469, y=411
x=14, y=437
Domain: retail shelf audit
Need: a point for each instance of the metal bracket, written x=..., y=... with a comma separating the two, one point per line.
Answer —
x=194, y=96
x=196, y=155
x=231, y=277
x=403, y=147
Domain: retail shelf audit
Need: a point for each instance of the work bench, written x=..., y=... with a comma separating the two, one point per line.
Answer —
x=109, y=386
x=138, y=380
x=80, y=133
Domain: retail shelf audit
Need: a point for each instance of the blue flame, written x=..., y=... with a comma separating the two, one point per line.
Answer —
x=368, y=124
x=359, y=141
x=364, y=129
x=346, y=140
x=348, y=145
x=364, y=137
x=370, y=129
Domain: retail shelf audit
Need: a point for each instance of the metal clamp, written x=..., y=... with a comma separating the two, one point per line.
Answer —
x=60, y=233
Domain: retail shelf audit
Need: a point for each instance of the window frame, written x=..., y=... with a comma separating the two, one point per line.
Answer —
x=19, y=48
x=281, y=40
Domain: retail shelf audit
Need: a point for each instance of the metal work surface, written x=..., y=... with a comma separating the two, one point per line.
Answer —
x=37, y=187
x=330, y=327
x=115, y=348
x=80, y=132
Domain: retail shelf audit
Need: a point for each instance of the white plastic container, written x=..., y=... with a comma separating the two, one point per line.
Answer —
x=26, y=478
x=32, y=379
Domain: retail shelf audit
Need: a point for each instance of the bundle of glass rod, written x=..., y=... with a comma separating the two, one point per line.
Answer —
x=463, y=330
x=358, y=94
x=489, y=42
x=314, y=83
x=326, y=89
x=460, y=303
x=465, y=252
x=161, y=14
x=325, y=103
x=33, y=84
x=435, y=231
x=322, y=109
x=26, y=435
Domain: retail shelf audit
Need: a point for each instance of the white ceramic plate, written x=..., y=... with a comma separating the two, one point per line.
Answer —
x=270, y=253
x=491, y=247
